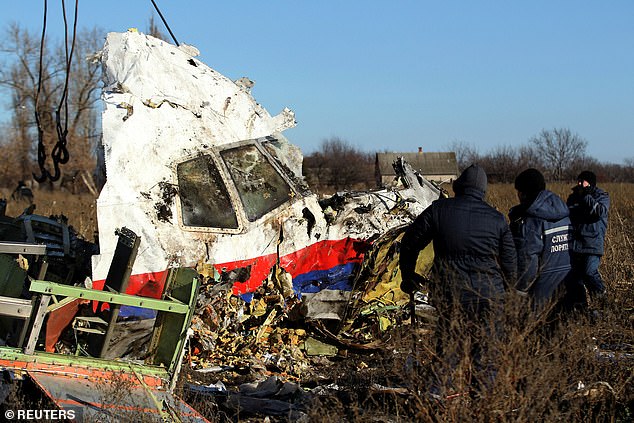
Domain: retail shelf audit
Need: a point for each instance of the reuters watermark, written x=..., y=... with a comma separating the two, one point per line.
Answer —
x=39, y=414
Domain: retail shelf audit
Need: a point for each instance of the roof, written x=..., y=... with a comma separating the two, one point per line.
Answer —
x=443, y=163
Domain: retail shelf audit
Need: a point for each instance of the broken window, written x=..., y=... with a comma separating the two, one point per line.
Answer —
x=278, y=150
x=259, y=185
x=204, y=198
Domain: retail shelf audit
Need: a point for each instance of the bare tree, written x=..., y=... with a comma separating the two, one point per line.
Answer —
x=466, y=154
x=628, y=169
x=84, y=92
x=501, y=163
x=20, y=77
x=155, y=31
x=338, y=165
x=560, y=148
x=579, y=164
x=527, y=157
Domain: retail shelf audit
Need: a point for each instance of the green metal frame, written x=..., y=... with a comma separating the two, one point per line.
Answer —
x=169, y=338
x=166, y=352
x=170, y=333
x=52, y=288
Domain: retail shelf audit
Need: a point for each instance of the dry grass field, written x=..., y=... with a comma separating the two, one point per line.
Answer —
x=583, y=370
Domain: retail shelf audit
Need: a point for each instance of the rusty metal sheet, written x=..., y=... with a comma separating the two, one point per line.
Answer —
x=113, y=399
x=58, y=319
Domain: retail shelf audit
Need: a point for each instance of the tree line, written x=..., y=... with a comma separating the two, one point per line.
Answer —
x=558, y=153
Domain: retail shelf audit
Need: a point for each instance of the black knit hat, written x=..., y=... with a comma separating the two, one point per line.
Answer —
x=530, y=181
x=588, y=176
x=472, y=177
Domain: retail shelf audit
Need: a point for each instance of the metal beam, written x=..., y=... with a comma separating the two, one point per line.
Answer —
x=38, y=320
x=51, y=288
x=15, y=307
x=119, y=277
x=22, y=248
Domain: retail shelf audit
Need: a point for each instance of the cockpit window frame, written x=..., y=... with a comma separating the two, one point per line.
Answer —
x=261, y=186
x=234, y=196
x=229, y=189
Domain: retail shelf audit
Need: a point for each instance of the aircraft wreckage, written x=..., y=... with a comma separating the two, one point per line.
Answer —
x=201, y=171
x=201, y=187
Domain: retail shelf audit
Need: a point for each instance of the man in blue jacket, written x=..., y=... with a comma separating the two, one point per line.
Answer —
x=588, y=206
x=543, y=234
x=474, y=264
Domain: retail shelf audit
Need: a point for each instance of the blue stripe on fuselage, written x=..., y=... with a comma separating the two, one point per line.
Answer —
x=337, y=277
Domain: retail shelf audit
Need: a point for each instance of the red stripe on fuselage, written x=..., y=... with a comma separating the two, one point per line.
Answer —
x=322, y=255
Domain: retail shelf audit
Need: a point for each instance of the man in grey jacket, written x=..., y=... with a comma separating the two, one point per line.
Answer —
x=588, y=206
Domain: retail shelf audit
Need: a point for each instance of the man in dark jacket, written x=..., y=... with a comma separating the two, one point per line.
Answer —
x=474, y=254
x=588, y=206
x=542, y=233
x=474, y=262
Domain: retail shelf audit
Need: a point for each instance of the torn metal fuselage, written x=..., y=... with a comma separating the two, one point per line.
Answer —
x=201, y=172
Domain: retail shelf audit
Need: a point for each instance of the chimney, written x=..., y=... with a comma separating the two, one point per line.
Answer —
x=420, y=150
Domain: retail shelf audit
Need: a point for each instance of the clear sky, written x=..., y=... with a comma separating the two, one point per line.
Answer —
x=395, y=75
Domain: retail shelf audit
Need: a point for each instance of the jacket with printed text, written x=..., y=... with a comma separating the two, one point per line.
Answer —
x=542, y=233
